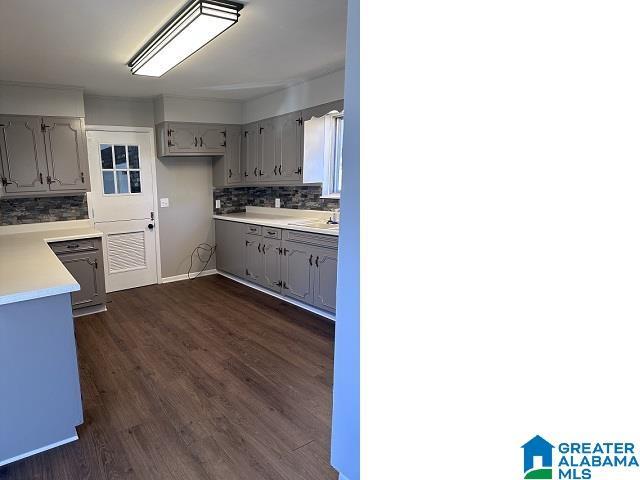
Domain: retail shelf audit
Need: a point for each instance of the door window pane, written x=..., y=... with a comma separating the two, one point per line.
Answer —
x=123, y=181
x=134, y=160
x=106, y=154
x=107, y=182
x=134, y=177
x=120, y=169
x=121, y=157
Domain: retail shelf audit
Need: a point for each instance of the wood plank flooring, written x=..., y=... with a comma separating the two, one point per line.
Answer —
x=200, y=379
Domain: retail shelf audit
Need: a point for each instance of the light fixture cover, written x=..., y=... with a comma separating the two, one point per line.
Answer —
x=199, y=22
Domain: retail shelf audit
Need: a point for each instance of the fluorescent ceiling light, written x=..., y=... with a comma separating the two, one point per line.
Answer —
x=199, y=22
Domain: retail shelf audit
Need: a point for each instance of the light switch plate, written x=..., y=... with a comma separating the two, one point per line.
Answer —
x=164, y=202
x=277, y=203
x=217, y=203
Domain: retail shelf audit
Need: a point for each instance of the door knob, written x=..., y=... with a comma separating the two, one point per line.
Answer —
x=150, y=226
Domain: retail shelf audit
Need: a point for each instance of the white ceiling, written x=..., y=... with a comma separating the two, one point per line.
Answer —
x=87, y=43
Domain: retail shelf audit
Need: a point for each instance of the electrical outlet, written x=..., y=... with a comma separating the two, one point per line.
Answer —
x=164, y=202
x=277, y=203
x=217, y=203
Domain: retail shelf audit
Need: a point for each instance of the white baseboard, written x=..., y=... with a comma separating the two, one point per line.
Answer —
x=39, y=450
x=177, y=278
x=304, y=306
x=81, y=312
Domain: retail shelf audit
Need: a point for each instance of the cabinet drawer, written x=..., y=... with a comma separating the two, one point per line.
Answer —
x=329, y=241
x=254, y=230
x=269, y=232
x=73, y=246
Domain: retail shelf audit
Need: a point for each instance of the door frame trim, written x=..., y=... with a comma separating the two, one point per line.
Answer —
x=154, y=182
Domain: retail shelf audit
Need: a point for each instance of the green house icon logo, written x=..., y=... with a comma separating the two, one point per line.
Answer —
x=538, y=458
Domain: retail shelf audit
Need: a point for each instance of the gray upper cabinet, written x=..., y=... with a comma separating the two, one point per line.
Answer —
x=190, y=139
x=66, y=149
x=267, y=156
x=325, y=263
x=250, y=162
x=230, y=247
x=211, y=139
x=41, y=155
x=254, y=261
x=297, y=269
x=22, y=155
x=232, y=158
x=289, y=146
x=182, y=138
x=271, y=252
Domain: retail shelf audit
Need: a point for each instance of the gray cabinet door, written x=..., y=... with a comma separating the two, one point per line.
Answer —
x=230, y=247
x=22, y=155
x=232, y=157
x=254, y=261
x=250, y=153
x=269, y=162
x=66, y=150
x=297, y=280
x=271, y=252
x=212, y=139
x=325, y=264
x=88, y=271
x=183, y=138
x=289, y=146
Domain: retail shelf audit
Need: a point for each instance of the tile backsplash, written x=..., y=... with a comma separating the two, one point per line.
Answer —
x=15, y=211
x=235, y=199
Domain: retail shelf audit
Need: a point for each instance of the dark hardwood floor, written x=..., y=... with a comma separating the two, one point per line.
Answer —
x=200, y=379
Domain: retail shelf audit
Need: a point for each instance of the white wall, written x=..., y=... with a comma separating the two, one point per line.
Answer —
x=22, y=99
x=205, y=110
x=314, y=92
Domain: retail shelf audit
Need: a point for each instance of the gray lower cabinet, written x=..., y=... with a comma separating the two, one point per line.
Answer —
x=83, y=260
x=41, y=155
x=325, y=276
x=300, y=265
x=297, y=271
x=230, y=247
x=254, y=262
x=272, y=253
x=87, y=269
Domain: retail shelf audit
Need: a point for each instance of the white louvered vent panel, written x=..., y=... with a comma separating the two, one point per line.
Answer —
x=126, y=251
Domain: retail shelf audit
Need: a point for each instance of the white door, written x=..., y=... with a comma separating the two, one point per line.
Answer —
x=122, y=199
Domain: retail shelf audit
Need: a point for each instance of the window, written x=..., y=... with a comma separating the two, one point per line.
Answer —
x=120, y=169
x=323, y=152
x=334, y=180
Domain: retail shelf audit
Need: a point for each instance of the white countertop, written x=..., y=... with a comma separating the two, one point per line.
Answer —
x=28, y=267
x=281, y=218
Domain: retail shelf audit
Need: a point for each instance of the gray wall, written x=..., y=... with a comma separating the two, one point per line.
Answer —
x=188, y=219
x=186, y=182
x=120, y=111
